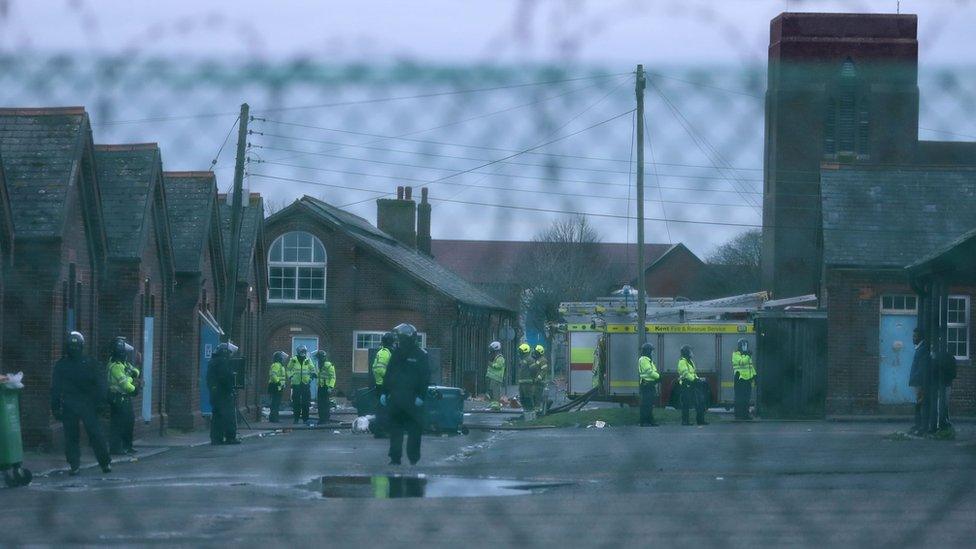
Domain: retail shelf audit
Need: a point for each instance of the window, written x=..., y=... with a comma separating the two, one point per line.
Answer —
x=296, y=269
x=899, y=303
x=363, y=342
x=847, y=117
x=957, y=326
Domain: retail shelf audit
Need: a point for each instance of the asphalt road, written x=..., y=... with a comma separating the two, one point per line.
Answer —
x=769, y=484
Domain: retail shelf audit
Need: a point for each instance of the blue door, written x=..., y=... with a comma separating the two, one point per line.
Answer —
x=312, y=343
x=896, y=352
x=209, y=339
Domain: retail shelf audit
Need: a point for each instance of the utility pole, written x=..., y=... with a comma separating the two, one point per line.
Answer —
x=641, y=289
x=227, y=322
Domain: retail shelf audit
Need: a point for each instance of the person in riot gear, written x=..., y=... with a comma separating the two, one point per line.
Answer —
x=78, y=391
x=526, y=377
x=327, y=381
x=276, y=384
x=403, y=393
x=379, y=367
x=692, y=388
x=300, y=372
x=649, y=376
x=123, y=385
x=743, y=374
x=542, y=374
x=223, y=395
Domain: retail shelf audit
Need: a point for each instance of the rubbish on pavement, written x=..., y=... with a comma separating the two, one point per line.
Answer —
x=597, y=424
x=360, y=425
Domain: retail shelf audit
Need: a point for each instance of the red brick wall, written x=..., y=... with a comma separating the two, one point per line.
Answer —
x=35, y=311
x=676, y=275
x=191, y=293
x=124, y=303
x=363, y=293
x=853, y=335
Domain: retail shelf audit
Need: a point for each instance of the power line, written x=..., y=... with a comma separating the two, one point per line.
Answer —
x=871, y=229
x=664, y=212
x=359, y=102
x=222, y=145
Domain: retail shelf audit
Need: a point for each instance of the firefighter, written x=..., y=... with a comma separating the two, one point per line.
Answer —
x=404, y=390
x=327, y=381
x=300, y=373
x=78, y=391
x=495, y=374
x=380, y=364
x=223, y=395
x=276, y=384
x=692, y=390
x=597, y=370
x=743, y=374
x=122, y=387
x=648, y=375
x=526, y=377
x=541, y=378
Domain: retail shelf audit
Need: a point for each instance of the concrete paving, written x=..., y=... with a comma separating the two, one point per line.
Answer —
x=728, y=484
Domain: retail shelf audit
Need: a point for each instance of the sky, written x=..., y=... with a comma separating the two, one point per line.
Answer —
x=677, y=37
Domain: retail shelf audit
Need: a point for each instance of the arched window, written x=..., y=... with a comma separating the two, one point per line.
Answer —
x=296, y=269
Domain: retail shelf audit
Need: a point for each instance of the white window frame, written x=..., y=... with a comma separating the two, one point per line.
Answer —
x=296, y=265
x=955, y=325
x=356, y=348
x=894, y=307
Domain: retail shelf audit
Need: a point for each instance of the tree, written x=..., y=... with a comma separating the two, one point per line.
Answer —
x=563, y=264
x=733, y=268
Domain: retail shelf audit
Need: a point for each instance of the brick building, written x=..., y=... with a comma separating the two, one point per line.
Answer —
x=53, y=287
x=337, y=282
x=878, y=220
x=198, y=260
x=251, y=288
x=139, y=271
x=6, y=243
x=852, y=196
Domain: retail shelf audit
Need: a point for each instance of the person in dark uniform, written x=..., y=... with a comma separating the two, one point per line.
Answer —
x=403, y=392
x=223, y=395
x=648, y=375
x=78, y=391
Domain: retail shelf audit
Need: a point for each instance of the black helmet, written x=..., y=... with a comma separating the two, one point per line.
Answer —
x=76, y=343
x=321, y=355
x=686, y=351
x=301, y=351
x=646, y=350
x=389, y=339
x=406, y=334
x=280, y=356
x=226, y=349
x=121, y=348
x=742, y=345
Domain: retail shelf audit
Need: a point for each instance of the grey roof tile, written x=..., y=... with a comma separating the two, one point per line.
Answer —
x=889, y=217
x=420, y=266
x=127, y=175
x=41, y=150
x=251, y=223
x=190, y=197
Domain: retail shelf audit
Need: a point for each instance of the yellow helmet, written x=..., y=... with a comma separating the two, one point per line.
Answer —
x=540, y=349
x=524, y=348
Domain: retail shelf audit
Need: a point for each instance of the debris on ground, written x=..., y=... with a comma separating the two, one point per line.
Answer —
x=597, y=424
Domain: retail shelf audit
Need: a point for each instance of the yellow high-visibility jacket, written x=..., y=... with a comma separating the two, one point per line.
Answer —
x=686, y=370
x=743, y=365
x=647, y=370
x=380, y=364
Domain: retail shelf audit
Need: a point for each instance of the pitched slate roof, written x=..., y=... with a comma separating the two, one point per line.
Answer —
x=496, y=261
x=191, y=199
x=127, y=176
x=251, y=224
x=42, y=151
x=889, y=217
x=420, y=266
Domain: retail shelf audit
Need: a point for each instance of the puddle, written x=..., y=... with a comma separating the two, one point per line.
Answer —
x=422, y=486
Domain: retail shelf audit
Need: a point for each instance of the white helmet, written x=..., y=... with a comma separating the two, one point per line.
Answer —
x=495, y=346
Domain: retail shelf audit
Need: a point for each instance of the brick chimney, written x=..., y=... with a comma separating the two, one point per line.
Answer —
x=398, y=217
x=423, y=223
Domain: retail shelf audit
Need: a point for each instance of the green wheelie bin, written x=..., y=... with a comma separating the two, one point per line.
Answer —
x=12, y=447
